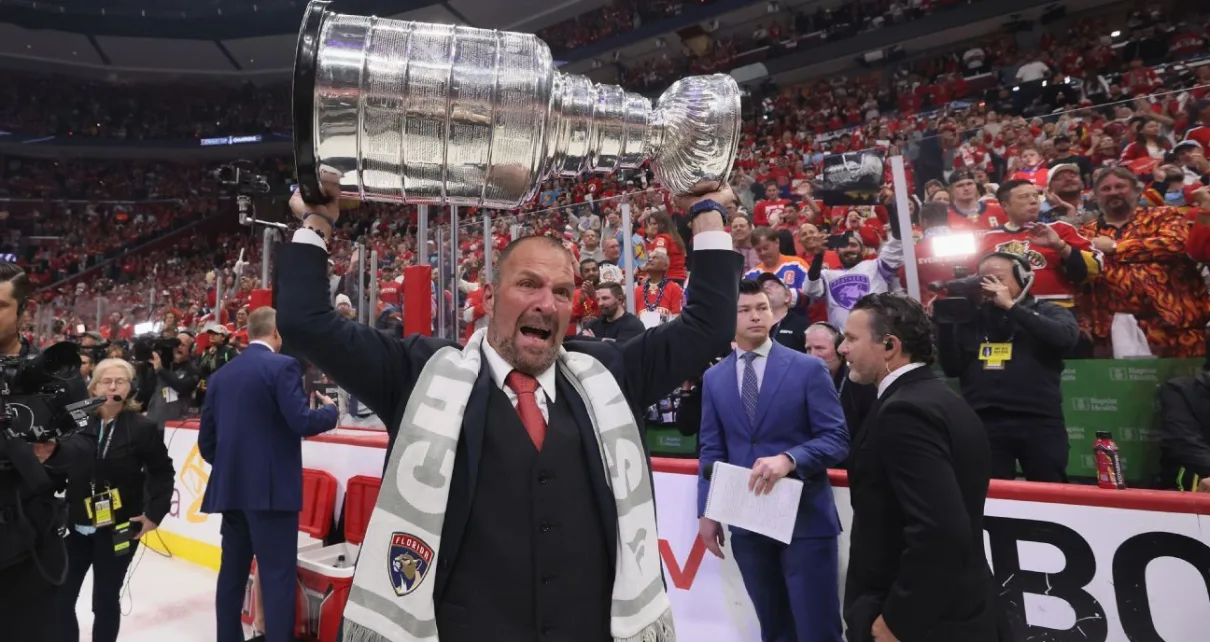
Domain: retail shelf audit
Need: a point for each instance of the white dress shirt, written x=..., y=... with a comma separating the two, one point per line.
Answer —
x=758, y=364
x=259, y=342
x=895, y=374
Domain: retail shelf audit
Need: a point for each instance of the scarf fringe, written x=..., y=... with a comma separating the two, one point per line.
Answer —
x=662, y=630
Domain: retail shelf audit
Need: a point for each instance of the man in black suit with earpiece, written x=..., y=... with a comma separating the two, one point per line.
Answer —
x=918, y=482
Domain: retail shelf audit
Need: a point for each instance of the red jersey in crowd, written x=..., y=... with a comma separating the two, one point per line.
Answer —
x=664, y=297
x=767, y=208
x=988, y=216
x=1050, y=282
x=676, y=255
x=582, y=307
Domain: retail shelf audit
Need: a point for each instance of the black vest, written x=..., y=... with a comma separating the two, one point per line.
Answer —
x=532, y=566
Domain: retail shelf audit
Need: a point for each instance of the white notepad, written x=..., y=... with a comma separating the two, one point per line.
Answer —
x=730, y=502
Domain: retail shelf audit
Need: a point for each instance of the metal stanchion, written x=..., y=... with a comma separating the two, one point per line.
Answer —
x=100, y=318
x=904, y=212
x=422, y=235
x=487, y=247
x=373, y=299
x=628, y=255
x=266, y=256
x=455, y=267
x=361, y=282
x=441, y=260
x=218, y=296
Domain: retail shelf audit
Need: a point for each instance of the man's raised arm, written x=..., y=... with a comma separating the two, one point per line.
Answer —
x=367, y=363
x=663, y=357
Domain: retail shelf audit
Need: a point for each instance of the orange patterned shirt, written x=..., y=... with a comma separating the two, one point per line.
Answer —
x=1151, y=276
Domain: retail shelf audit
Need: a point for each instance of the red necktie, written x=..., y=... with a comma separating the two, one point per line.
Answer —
x=527, y=405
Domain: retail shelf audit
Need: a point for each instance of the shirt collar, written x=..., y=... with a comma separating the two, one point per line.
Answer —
x=762, y=350
x=895, y=374
x=500, y=371
x=258, y=342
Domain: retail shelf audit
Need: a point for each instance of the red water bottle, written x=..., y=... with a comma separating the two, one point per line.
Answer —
x=1109, y=463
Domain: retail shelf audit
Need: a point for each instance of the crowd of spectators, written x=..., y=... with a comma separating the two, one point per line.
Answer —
x=46, y=105
x=1100, y=131
x=919, y=109
x=781, y=32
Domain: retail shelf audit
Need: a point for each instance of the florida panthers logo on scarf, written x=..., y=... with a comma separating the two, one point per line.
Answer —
x=408, y=563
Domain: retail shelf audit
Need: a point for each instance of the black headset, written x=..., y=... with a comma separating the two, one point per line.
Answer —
x=837, y=337
x=1023, y=272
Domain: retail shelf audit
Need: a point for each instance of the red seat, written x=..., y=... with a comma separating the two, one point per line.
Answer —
x=319, y=503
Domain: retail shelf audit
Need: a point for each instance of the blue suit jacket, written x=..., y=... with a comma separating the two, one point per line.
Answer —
x=253, y=421
x=798, y=412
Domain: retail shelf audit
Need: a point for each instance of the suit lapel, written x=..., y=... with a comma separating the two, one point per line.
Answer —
x=606, y=506
x=775, y=372
x=474, y=423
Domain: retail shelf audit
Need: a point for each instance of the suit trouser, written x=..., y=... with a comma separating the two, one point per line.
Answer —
x=794, y=588
x=272, y=536
x=108, y=575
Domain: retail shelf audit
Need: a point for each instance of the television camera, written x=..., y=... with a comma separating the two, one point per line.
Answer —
x=43, y=397
x=243, y=178
x=143, y=346
x=962, y=298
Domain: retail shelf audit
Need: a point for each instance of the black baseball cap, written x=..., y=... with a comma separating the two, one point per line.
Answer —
x=769, y=276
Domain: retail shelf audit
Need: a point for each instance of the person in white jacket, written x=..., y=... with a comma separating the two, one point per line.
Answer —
x=844, y=287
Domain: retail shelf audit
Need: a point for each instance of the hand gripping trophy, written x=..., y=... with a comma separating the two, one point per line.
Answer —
x=412, y=112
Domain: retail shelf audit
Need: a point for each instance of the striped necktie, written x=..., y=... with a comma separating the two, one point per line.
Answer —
x=750, y=389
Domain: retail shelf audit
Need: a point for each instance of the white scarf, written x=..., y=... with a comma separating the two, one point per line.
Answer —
x=391, y=601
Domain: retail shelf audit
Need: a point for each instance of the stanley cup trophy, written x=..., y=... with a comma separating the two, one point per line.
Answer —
x=412, y=112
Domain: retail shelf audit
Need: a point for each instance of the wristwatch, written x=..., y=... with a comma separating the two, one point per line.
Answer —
x=708, y=205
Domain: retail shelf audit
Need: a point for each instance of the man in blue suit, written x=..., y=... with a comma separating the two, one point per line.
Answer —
x=253, y=421
x=776, y=411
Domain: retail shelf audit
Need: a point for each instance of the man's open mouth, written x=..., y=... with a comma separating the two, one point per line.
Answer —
x=536, y=333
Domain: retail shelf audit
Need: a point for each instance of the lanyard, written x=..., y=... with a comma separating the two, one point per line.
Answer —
x=659, y=296
x=104, y=440
x=103, y=448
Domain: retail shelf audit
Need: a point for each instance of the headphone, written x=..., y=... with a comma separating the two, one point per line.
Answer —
x=1023, y=272
x=837, y=337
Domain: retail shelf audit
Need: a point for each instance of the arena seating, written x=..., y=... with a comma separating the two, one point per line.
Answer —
x=114, y=207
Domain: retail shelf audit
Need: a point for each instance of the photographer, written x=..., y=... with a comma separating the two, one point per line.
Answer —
x=33, y=560
x=93, y=348
x=168, y=376
x=1006, y=348
x=215, y=356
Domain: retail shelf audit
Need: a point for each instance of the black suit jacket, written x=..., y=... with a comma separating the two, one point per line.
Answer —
x=381, y=371
x=918, y=483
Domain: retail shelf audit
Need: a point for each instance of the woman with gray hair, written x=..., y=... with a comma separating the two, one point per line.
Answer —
x=114, y=503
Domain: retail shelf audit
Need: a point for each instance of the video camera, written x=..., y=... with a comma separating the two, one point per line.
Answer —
x=962, y=298
x=241, y=176
x=143, y=346
x=43, y=397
